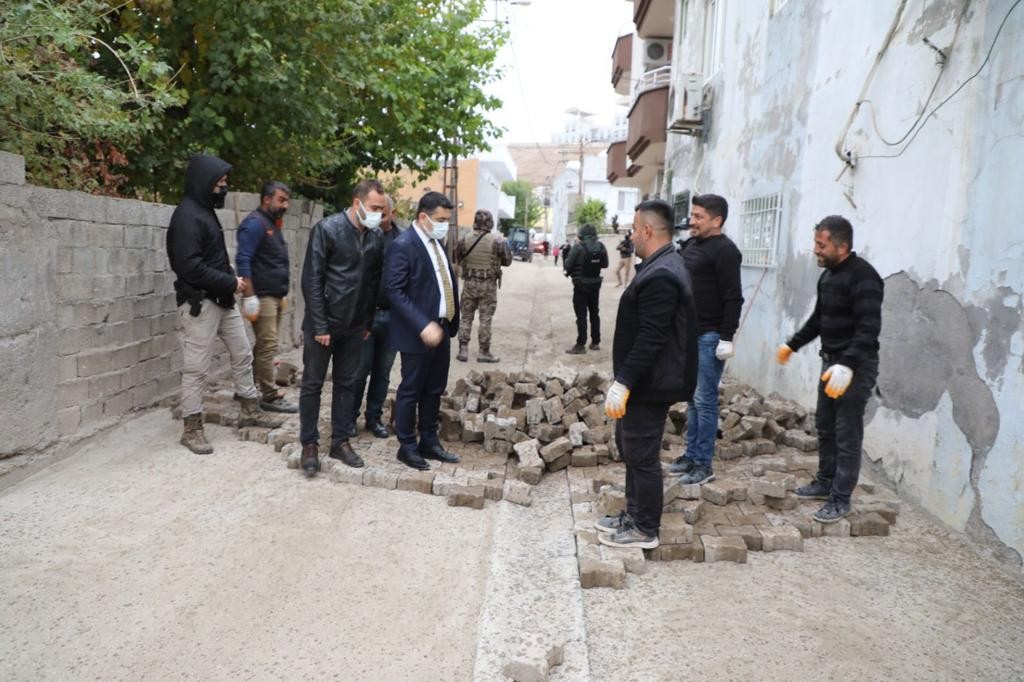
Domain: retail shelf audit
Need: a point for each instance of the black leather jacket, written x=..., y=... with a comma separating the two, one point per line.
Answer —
x=340, y=276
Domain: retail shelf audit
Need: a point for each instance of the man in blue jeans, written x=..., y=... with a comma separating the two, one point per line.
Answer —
x=377, y=357
x=713, y=262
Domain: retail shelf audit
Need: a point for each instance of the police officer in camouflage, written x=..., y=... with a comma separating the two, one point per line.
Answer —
x=481, y=255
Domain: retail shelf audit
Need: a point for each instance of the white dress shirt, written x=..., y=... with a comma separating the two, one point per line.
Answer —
x=442, y=311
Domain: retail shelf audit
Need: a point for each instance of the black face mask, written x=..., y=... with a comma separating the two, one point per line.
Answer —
x=219, y=198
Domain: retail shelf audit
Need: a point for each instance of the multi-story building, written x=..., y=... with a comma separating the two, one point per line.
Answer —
x=619, y=201
x=907, y=118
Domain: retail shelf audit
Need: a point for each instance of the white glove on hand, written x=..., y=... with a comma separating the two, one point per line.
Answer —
x=724, y=350
x=251, y=308
x=615, y=401
x=838, y=378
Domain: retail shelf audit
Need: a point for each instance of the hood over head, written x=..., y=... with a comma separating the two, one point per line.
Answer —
x=483, y=221
x=201, y=175
x=588, y=230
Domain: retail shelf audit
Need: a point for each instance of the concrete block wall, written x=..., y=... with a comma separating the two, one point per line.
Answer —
x=88, y=322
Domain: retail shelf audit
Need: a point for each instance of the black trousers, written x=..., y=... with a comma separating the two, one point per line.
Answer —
x=418, y=399
x=638, y=436
x=585, y=299
x=840, y=425
x=344, y=354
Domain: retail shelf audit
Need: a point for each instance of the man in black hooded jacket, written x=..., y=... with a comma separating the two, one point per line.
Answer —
x=584, y=264
x=205, y=292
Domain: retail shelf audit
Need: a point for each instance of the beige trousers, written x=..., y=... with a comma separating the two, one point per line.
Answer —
x=198, y=335
x=267, y=330
x=627, y=265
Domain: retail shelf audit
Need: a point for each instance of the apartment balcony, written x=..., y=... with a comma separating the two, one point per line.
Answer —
x=654, y=18
x=648, y=120
x=622, y=63
x=618, y=166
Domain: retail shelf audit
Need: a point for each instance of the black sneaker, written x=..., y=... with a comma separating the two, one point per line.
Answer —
x=596, y=345
x=681, y=465
x=833, y=511
x=699, y=474
x=278, y=404
x=630, y=536
x=578, y=349
x=815, y=490
x=612, y=524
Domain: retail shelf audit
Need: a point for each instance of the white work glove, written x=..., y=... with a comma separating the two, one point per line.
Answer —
x=251, y=308
x=615, y=401
x=838, y=378
x=724, y=350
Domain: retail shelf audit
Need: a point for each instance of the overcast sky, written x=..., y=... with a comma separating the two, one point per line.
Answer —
x=559, y=56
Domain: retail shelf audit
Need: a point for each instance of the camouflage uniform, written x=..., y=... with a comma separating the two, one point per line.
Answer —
x=481, y=270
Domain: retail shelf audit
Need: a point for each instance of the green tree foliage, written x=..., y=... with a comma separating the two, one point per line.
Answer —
x=316, y=92
x=592, y=211
x=528, y=207
x=73, y=98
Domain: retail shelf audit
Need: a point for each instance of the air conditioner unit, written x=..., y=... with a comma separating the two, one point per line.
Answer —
x=657, y=53
x=688, y=114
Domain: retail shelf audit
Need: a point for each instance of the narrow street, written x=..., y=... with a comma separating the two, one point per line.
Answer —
x=133, y=559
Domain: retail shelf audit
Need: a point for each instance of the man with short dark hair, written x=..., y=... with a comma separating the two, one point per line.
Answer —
x=713, y=262
x=377, y=356
x=655, y=365
x=205, y=291
x=421, y=287
x=481, y=254
x=584, y=263
x=848, y=318
x=262, y=263
x=625, y=249
x=340, y=280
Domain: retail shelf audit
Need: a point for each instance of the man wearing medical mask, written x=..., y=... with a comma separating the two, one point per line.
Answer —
x=340, y=277
x=423, y=292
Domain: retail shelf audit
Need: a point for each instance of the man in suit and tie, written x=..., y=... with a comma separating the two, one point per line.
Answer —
x=421, y=287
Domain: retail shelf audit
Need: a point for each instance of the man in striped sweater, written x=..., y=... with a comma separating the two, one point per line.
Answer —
x=848, y=318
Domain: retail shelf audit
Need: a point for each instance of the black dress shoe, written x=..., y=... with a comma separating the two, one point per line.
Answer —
x=310, y=460
x=411, y=458
x=439, y=453
x=376, y=428
x=346, y=454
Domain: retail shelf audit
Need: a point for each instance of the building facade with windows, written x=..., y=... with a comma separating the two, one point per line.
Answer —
x=906, y=118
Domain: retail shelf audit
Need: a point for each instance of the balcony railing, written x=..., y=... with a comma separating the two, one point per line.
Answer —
x=660, y=77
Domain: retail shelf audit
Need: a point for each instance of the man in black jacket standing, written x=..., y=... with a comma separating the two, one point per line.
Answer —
x=205, y=292
x=848, y=317
x=584, y=264
x=340, y=281
x=654, y=360
x=713, y=262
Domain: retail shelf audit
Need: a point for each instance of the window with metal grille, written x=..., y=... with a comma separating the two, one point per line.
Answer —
x=761, y=218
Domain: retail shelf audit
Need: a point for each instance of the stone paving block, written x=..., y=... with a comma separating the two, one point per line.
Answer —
x=534, y=411
x=517, y=492
x=580, y=509
x=724, y=549
x=534, y=664
x=675, y=530
x=576, y=431
x=584, y=457
x=691, y=552
x=417, y=481
x=632, y=558
x=739, y=518
x=727, y=451
x=293, y=459
x=443, y=484
x=346, y=474
x=546, y=433
x=598, y=573
x=689, y=492
x=610, y=501
x=758, y=447
x=715, y=492
x=593, y=415
x=471, y=496
x=837, y=529
x=774, y=484
x=749, y=534
x=585, y=531
x=800, y=440
x=765, y=464
x=555, y=449
x=786, y=503
x=781, y=538
x=553, y=410
x=886, y=510
x=380, y=478
x=871, y=523
x=598, y=435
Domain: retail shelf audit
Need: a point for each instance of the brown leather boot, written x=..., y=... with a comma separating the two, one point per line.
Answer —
x=252, y=415
x=485, y=355
x=463, y=355
x=194, y=438
x=310, y=461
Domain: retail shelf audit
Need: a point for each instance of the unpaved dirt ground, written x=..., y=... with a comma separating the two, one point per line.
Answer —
x=134, y=559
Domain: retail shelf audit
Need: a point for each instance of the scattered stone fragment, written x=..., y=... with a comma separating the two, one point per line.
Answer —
x=610, y=501
x=871, y=523
x=724, y=549
x=675, y=530
x=518, y=492
x=584, y=457
x=800, y=440
x=471, y=496
x=535, y=664
x=782, y=503
x=555, y=449
x=632, y=558
x=345, y=474
x=600, y=573
x=691, y=552
x=780, y=538
x=576, y=431
x=749, y=534
x=380, y=478
x=416, y=481
x=837, y=529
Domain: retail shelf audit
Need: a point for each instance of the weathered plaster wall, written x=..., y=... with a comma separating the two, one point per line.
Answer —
x=941, y=223
x=88, y=322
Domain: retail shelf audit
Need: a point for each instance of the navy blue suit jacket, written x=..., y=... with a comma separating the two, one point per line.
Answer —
x=411, y=286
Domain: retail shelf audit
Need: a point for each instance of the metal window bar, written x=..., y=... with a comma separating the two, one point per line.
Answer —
x=761, y=219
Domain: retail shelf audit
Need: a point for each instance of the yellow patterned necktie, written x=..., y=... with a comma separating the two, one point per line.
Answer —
x=449, y=295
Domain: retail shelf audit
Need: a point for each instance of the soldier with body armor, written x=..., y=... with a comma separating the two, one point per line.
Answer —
x=481, y=255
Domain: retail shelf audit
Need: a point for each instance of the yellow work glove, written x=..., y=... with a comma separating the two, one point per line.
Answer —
x=782, y=354
x=615, y=401
x=251, y=308
x=284, y=305
x=838, y=378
